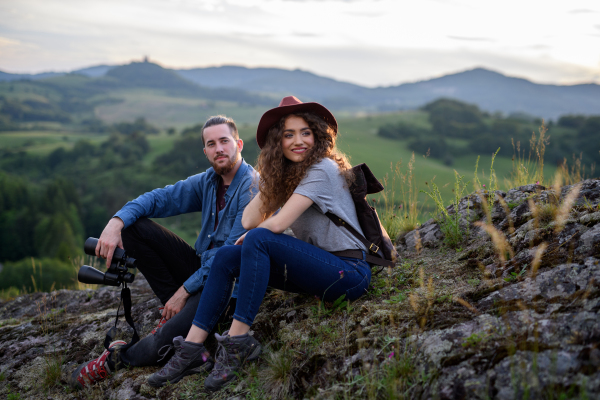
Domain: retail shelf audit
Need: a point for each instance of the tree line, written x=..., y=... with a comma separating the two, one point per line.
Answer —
x=484, y=133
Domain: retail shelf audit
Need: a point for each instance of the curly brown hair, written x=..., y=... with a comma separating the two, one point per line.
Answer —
x=279, y=176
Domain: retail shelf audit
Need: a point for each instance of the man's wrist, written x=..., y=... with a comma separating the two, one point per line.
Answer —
x=186, y=290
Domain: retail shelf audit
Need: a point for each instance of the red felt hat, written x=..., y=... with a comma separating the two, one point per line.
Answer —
x=290, y=105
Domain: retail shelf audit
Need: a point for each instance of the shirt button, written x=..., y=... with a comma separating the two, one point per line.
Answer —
x=213, y=213
x=208, y=235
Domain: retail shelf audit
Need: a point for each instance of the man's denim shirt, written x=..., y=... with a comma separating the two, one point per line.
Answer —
x=199, y=193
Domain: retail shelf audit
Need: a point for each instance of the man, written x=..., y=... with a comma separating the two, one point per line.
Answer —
x=175, y=271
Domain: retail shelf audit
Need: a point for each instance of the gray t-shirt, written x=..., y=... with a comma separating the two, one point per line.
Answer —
x=327, y=188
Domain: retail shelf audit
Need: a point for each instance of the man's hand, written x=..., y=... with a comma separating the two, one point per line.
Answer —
x=110, y=240
x=175, y=303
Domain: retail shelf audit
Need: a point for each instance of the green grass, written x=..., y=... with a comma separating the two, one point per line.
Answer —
x=359, y=140
x=23, y=90
x=159, y=144
x=164, y=110
x=44, y=142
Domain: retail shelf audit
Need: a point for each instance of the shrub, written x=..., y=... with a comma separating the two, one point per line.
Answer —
x=37, y=275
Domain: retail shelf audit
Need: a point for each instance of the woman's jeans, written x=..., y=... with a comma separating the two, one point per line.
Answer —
x=282, y=262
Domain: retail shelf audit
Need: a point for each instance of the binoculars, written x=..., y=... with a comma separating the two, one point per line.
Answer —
x=118, y=272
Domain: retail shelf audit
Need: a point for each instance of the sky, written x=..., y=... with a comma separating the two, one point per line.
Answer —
x=367, y=42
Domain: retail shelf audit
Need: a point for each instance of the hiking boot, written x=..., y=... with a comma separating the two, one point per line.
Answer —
x=232, y=353
x=95, y=370
x=162, y=321
x=189, y=358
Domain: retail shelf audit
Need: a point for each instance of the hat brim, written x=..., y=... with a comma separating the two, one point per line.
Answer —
x=273, y=116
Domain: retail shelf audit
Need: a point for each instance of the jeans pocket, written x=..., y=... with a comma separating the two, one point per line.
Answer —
x=352, y=262
x=358, y=290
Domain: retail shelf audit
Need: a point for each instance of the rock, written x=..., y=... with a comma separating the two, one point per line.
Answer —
x=562, y=282
x=590, y=242
x=429, y=234
x=590, y=219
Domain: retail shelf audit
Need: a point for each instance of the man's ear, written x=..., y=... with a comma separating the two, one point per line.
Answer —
x=240, y=144
x=204, y=150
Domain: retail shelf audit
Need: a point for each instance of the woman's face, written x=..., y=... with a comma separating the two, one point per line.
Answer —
x=297, y=139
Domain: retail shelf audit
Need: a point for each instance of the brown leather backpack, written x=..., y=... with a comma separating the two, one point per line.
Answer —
x=381, y=249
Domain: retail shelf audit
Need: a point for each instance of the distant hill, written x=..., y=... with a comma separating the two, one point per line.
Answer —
x=280, y=82
x=149, y=75
x=5, y=76
x=94, y=72
x=491, y=91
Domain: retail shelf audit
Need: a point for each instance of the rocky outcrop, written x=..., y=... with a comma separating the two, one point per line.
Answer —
x=510, y=318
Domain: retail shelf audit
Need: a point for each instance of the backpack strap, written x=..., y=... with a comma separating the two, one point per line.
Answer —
x=377, y=259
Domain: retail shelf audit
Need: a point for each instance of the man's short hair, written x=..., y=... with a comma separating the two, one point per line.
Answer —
x=219, y=120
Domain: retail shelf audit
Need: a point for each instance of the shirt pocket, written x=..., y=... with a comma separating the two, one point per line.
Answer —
x=226, y=222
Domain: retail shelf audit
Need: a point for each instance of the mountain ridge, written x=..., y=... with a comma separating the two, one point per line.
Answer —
x=490, y=90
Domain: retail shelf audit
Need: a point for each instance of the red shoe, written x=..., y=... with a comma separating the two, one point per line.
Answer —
x=160, y=324
x=95, y=370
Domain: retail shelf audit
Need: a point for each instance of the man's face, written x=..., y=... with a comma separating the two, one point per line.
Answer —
x=221, y=149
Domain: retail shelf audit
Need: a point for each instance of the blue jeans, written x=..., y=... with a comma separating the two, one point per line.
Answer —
x=282, y=262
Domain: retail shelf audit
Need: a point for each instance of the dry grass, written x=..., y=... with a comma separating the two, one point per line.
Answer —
x=405, y=216
x=528, y=167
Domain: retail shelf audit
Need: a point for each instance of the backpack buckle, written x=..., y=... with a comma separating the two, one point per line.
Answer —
x=374, y=248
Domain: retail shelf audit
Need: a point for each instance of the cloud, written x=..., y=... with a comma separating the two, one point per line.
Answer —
x=364, y=14
x=5, y=42
x=582, y=11
x=539, y=47
x=471, y=39
x=331, y=1
x=305, y=34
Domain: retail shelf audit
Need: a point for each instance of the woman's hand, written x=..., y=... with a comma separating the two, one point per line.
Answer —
x=240, y=239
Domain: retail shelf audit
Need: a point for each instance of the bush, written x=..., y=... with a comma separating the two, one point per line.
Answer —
x=435, y=146
x=587, y=138
x=38, y=274
x=571, y=121
x=453, y=118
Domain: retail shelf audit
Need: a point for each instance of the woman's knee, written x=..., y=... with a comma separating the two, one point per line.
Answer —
x=257, y=236
x=227, y=257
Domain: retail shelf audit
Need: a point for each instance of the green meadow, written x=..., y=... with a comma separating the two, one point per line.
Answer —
x=358, y=139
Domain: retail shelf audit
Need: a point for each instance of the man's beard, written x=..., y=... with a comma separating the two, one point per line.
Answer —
x=225, y=169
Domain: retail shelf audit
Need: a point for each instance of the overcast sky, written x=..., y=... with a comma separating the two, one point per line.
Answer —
x=369, y=42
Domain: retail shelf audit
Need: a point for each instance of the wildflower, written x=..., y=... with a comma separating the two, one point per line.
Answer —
x=484, y=185
x=537, y=183
x=400, y=207
x=391, y=355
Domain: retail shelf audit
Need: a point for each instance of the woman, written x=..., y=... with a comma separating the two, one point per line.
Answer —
x=303, y=176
